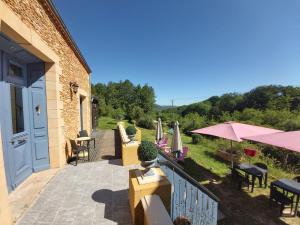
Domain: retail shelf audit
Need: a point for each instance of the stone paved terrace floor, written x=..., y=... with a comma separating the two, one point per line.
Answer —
x=107, y=145
x=94, y=193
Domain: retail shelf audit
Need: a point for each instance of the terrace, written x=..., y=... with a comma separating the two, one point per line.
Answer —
x=97, y=192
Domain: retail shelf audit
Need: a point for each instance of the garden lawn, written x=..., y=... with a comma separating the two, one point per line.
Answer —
x=107, y=123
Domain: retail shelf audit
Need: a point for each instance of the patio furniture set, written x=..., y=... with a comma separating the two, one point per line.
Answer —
x=245, y=170
x=81, y=146
x=284, y=192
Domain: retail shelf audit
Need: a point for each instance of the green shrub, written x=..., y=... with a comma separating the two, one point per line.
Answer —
x=118, y=114
x=147, y=151
x=134, y=112
x=192, y=121
x=130, y=130
x=285, y=159
x=145, y=122
x=196, y=138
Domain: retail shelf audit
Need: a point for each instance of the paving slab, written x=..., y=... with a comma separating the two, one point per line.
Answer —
x=23, y=196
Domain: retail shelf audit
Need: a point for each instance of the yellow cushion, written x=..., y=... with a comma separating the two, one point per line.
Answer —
x=83, y=154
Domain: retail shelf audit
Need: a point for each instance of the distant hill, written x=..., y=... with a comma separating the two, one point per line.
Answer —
x=274, y=97
x=162, y=107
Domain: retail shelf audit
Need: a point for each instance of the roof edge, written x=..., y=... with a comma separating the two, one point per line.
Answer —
x=59, y=23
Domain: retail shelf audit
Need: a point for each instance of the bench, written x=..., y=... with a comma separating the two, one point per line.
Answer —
x=155, y=212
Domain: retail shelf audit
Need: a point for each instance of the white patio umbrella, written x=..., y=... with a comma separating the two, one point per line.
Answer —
x=176, y=140
x=159, y=131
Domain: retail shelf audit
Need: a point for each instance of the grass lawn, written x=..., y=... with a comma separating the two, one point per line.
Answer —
x=107, y=123
x=239, y=207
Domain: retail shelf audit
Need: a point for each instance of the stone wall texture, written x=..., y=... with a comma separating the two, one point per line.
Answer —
x=34, y=15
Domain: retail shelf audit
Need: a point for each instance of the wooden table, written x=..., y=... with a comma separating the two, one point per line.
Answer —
x=137, y=191
x=87, y=140
x=290, y=186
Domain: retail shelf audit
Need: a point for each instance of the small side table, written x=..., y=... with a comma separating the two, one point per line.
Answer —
x=137, y=191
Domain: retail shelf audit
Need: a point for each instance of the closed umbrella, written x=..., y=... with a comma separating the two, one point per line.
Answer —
x=176, y=140
x=159, y=131
x=235, y=131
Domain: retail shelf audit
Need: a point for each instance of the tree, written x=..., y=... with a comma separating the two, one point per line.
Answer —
x=124, y=96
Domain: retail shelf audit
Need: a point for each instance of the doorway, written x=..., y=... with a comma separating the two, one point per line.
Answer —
x=81, y=107
x=22, y=113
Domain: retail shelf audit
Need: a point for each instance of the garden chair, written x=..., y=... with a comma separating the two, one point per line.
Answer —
x=239, y=178
x=167, y=150
x=76, y=150
x=280, y=198
x=263, y=166
x=297, y=179
x=162, y=143
x=83, y=133
x=183, y=154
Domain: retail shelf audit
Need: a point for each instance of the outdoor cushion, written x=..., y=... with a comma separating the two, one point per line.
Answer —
x=123, y=134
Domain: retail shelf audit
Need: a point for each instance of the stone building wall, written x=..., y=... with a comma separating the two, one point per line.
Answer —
x=34, y=15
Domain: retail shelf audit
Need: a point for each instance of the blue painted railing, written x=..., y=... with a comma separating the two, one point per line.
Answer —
x=189, y=198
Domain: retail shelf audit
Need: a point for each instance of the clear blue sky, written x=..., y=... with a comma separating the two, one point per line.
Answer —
x=188, y=50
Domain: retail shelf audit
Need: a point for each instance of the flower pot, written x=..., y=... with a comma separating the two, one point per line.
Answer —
x=131, y=137
x=148, y=164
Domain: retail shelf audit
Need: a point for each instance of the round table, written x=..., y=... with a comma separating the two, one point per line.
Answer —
x=87, y=140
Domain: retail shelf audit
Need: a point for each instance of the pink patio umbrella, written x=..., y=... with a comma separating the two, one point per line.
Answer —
x=234, y=131
x=288, y=140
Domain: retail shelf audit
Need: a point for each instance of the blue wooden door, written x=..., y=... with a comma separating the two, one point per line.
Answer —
x=38, y=116
x=15, y=120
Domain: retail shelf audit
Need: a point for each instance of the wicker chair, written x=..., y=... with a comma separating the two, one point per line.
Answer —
x=76, y=150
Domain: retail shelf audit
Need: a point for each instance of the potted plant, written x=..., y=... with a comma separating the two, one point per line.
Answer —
x=182, y=220
x=131, y=131
x=147, y=154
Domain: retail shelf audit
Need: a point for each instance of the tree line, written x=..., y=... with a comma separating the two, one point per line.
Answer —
x=274, y=106
x=271, y=106
x=124, y=100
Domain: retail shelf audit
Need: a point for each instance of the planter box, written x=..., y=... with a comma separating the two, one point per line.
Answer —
x=227, y=156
